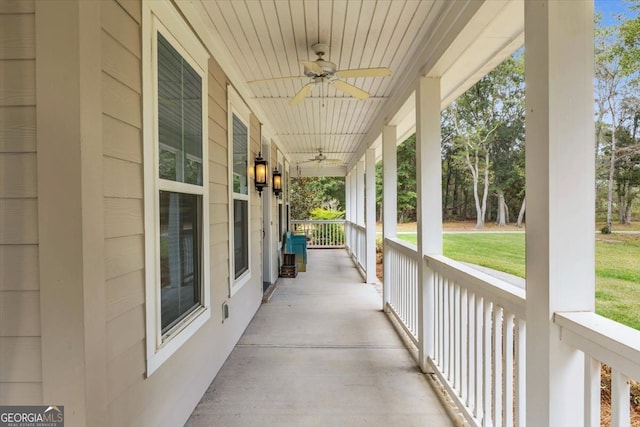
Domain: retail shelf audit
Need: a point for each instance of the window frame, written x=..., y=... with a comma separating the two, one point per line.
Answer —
x=163, y=18
x=237, y=107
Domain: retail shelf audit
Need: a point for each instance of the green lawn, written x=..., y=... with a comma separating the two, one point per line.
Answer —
x=617, y=266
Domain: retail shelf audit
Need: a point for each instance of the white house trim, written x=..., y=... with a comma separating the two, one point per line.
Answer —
x=162, y=17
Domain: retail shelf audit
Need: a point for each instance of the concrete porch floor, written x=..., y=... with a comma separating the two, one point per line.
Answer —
x=320, y=353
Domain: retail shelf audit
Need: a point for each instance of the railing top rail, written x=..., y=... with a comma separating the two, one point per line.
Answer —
x=403, y=247
x=604, y=339
x=318, y=221
x=508, y=296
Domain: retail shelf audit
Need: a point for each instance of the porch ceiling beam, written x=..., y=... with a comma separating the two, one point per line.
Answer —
x=317, y=134
x=314, y=98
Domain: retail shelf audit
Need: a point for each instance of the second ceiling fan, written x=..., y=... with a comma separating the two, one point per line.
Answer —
x=322, y=70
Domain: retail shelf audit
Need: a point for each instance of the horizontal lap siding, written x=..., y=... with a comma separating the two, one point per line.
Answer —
x=134, y=399
x=218, y=186
x=123, y=200
x=256, y=204
x=20, y=345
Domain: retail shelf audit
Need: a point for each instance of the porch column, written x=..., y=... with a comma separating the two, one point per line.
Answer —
x=370, y=214
x=389, y=200
x=354, y=211
x=560, y=202
x=347, y=209
x=360, y=193
x=429, y=204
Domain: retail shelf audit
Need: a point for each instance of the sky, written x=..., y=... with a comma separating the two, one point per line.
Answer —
x=609, y=8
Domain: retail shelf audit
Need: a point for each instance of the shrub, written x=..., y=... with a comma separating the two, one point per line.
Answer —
x=326, y=214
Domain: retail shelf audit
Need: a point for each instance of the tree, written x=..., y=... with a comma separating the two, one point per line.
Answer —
x=308, y=193
x=617, y=57
x=407, y=193
x=485, y=121
x=629, y=46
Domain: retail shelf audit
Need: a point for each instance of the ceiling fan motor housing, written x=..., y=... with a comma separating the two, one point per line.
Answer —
x=328, y=67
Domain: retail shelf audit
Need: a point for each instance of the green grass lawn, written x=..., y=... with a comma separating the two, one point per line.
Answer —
x=617, y=266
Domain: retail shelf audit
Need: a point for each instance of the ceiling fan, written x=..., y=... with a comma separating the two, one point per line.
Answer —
x=320, y=159
x=322, y=70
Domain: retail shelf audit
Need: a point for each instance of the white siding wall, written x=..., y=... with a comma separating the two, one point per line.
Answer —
x=20, y=346
x=168, y=396
x=123, y=202
x=181, y=380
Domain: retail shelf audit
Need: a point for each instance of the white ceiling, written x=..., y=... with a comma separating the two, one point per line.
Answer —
x=260, y=39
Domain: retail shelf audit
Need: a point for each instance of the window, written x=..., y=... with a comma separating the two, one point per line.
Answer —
x=239, y=205
x=176, y=182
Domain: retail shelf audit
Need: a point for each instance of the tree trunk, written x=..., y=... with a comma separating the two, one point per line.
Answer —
x=474, y=168
x=622, y=197
x=612, y=168
x=502, y=220
x=521, y=214
x=627, y=216
x=486, y=187
x=447, y=186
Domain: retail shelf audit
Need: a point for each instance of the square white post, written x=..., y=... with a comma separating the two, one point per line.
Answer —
x=354, y=211
x=370, y=213
x=360, y=192
x=560, y=170
x=389, y=201
x=347, y=209
x=429, y=203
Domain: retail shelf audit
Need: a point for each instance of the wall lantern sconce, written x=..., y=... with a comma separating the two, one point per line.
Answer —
x=260, y=173
x=277, y=183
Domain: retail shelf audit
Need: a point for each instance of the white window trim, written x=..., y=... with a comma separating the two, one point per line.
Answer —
x=164, y=18
x=237, y=106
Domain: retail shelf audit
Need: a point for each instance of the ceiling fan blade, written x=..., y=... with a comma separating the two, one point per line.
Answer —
x=302, y=93
x=364, y=72
x=276, y=78
x=350, y=89
x=312, y=66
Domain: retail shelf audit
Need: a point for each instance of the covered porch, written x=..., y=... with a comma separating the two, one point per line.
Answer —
x=84, y=227
x=321, y=352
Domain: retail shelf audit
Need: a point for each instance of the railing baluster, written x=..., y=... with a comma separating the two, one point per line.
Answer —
x=471, y=351
x=620, y=415
x=520, y=372
x=479, y=384
x=464, y=351
x=507, y=369
x=497, y=366
x=592, y=392
x=486, y=380
x=446, y=330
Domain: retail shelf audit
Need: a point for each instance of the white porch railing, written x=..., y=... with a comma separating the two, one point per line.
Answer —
x=321, y=233
x=603, y=341
x=479, y=348
x=402, y=261
x=357, y=243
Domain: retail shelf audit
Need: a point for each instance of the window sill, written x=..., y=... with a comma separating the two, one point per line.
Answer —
x=172, y=342
x=240, y=282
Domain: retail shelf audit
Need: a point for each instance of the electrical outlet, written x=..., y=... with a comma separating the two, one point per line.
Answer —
x=225, y=311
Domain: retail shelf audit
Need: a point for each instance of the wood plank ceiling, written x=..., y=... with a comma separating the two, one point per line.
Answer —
x=266, y=39
x=269, y=38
